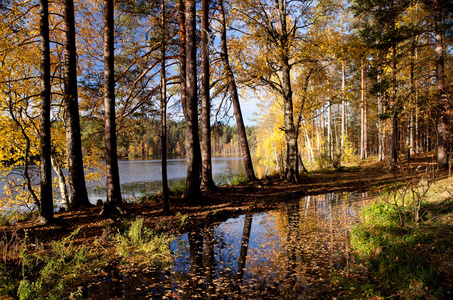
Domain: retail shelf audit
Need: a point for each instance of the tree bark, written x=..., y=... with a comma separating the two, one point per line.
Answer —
x=412, y=102
x=163, y=104
x=442, y=132
x=192, y=193
x=363, y=135
x=57, y=167
x=395, y=108
x=381, y=132
x=329, y=130
x=182, y=54
x=291, y=172
x=46, y=200
x=343, y=94
x=206, y=173
x=292, y=166
x=245, y=150
x=343, y=108
x=111, y=155
x=76, y=177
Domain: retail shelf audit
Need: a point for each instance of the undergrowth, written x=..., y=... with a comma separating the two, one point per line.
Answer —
x=28, y=273
x=410, y=260
x=141, y=244
x=31, y=271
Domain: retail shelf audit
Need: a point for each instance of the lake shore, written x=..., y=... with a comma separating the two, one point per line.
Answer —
x=220, y=204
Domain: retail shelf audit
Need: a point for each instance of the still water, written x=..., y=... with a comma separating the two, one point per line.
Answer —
x=295, y=252
x=142, y=177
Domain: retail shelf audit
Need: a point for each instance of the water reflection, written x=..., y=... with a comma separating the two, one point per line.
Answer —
x=290, y=252
x=294, y=252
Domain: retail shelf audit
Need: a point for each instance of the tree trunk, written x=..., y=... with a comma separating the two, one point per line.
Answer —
x=111, y=156
x=56, y=165
x=311, y=156
x=394, y=104
x=442, y=132
x=206, y=174
x=245, y=150
x=292, y=167
x=363, y=135
x=412, y=102
x=343, y=93
x=343, y=108
x=76, y=177
x=329, y=131
x=163, y=104
x=46, y=201
x=292, y=170
x=192, y=193
x=381, y=138
x=182, y=54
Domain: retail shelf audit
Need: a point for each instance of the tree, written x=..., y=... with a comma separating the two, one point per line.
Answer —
x=206, y=172
x=363, y=115
x=76, y=177
x=381, y=30
x=46, y=200
x=182, y=54
x=111, y=156
x=440, y=8
x=192, y=192
x=244, y=247
x=163, y=104
x=234, y=95
x=274, y=30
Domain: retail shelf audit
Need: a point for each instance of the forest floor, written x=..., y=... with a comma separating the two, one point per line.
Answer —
x=221, y=203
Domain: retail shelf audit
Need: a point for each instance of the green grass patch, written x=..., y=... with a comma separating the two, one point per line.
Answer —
x=228, y=179
x=43, y=274
x=30, y=271
x=410, y=261
x=178, y=188
x=141, y=245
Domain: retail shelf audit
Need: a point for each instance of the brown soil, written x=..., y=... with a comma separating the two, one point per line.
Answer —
x=218, y=204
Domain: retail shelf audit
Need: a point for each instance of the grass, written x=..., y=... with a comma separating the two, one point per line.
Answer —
x=143, y=245
x=42, y=274
x=412, y=261
x=29, y=271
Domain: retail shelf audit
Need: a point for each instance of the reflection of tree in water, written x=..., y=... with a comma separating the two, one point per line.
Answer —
x=196, y=262
x=315, y=247
x=295, y=252
x=244, y=248
x=216, y=267
x=209, y=261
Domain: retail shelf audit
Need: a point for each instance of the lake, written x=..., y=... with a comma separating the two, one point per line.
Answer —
x=142, y=177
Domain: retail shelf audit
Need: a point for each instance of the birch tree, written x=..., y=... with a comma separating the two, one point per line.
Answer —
x=274, y=32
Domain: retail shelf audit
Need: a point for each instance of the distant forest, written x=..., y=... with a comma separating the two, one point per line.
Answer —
x=142, y=138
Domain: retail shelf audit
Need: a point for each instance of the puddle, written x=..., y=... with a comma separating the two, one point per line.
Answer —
x=294, y=252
